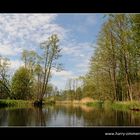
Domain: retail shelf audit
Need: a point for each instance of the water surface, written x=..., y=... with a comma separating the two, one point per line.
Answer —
x=67, y=115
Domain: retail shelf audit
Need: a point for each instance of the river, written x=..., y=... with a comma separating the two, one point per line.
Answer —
x=67, y=115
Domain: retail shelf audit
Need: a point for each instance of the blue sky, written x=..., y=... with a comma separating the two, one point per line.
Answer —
x=77, y=32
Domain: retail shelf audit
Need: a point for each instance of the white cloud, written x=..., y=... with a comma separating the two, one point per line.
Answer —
x=28, y=30
x=59, y=83
x=63, y=73
x=8, y=50
x=15, y=64
x=30, y=21
x=83, y=66
x=60, y=78
x=76, y=49
x=69, y=50
x=80, y=54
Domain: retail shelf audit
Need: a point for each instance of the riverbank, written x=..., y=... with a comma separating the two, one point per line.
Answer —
x=82, y=101
x=124, y=105
x=15, y=103
x=119, y=105
x=21, y=103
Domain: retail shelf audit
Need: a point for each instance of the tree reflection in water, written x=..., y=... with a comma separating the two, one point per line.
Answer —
x=67, y=115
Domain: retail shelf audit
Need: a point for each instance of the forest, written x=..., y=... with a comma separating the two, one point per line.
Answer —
x=113, y=73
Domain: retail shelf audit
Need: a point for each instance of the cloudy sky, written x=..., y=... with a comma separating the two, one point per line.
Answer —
x=77, y=33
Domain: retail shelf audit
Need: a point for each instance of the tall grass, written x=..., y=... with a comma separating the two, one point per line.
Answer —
x=125, y=105
x=15, y=103
x=95, y=104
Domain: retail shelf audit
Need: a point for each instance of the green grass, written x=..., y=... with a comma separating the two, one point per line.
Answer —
x=15, y=103
x=125, y=105
x=49, y=101
x=21, y=103
x=95, y=104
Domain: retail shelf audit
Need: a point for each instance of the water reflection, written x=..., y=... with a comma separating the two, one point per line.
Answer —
x=67, y=115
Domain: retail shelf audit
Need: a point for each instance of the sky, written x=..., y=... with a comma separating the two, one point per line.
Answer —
x=77, y=34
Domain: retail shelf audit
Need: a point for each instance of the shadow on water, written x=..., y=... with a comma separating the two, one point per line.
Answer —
x=67, y=115
x=23, y=117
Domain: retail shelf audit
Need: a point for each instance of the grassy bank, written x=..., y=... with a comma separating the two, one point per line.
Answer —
x=95, y=104
x=21, y=103
x=51, y=102
x=135, y=105
x=125, y=105
x=82, y=101
x=15, y=103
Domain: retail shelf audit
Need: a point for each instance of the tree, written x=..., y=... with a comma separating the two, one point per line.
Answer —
x=38, y=74
x=21, y=84
x=4, y=81
x=114, y=67
x=51, y=52
x=30, y=59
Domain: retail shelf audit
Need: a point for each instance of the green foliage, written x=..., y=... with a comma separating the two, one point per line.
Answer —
x=88, y=91
x=4, y=81
x=95, y=104
x=114, y=72
x=125, y=105
x=30, y=59
x=15, y=103
x=51, y=52
x=21, y=84
x=32, y=80
x=117, y=105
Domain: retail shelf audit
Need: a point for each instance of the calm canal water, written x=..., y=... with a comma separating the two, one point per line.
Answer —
x=67, y=115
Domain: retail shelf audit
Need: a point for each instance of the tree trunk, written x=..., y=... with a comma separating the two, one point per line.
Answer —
x=129, y=86
x=38, y=103
x=113, y=57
